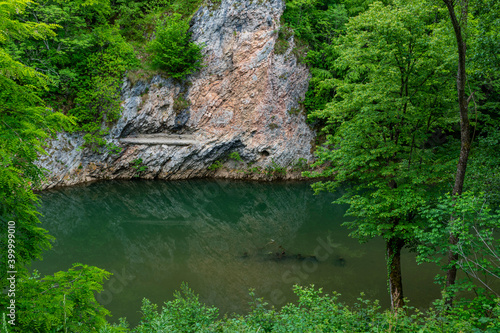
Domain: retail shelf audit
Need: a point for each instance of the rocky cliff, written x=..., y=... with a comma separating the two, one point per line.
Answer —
x=245, y=100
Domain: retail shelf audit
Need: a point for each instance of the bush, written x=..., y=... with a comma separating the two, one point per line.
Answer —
x=314, y=312
x=66, y=303
x=235, y=156
x=216, y=165
x=184, y=314
x=63, y=302
x=275, y=169
x=300, y=165
x=139, y=167
x=171, y=50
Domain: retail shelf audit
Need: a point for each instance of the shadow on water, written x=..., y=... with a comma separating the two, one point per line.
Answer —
x=222, y=237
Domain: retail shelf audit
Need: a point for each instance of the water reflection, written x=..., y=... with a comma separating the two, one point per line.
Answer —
x=221, y=237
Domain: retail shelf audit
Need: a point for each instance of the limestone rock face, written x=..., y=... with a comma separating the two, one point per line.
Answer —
x=243, y=100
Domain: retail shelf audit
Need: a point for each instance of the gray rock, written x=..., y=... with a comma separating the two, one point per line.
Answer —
x=239, y=102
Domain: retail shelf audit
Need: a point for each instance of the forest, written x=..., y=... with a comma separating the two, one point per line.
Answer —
x=404, y=96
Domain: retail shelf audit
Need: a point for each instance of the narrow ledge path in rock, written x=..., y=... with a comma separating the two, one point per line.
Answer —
x=161, y=139
x=240, y=102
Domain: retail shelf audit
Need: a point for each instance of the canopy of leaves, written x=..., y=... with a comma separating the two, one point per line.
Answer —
x=478, y=248
x=84, y=60
x=25, y=124
x=136, y=17
x=389, y=107
x=62, y=302
x=483, y=67
x=317, y=24
x=172, y=51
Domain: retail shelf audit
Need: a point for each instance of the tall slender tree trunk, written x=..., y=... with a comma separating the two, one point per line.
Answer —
x=394, y=246
x=465, y=139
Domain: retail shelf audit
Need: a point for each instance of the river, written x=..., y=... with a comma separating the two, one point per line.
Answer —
x=222, y=238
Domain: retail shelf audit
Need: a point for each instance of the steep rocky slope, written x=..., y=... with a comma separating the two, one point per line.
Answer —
x=243, y=101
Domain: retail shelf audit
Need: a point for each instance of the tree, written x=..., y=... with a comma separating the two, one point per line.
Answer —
x=465, y=135
x=98, y=99
x=62, y=302
x=483, y=76
x=386, y=123
x=61, y=56
x=172, y=51
x=318, y=24
x=25, y=124
x=84, y=60
x=477, y=248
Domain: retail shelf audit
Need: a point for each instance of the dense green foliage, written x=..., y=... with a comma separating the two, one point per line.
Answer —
x=314, y=312
x=384, y=95
x=395, y=93
x=484, y=76
x=84, y=61
x=136, y=18
x=64, y=302
x=316, y=25
x=184, y=314
x=387, y=104
x=171, y=50
x=92, y=47
x=478, y=247
x=75, y=311
x=25, y=123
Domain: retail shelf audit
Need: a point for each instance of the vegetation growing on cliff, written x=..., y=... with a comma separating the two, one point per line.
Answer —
x=172, y=51
x=93, y=44
x=61, y=67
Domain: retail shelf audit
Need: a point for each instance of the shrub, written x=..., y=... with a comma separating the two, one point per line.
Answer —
x=139, y=167
x=275, y=170
x=314, y=312
x=300, y=165
x=184, y=314
x=254, y=170
x=180, y=103
x=216, y=165
x=171, y=50
x=282, y=43
x=235, y=156
x=63, y=302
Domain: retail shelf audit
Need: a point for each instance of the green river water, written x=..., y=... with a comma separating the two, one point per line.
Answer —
x=222, y=238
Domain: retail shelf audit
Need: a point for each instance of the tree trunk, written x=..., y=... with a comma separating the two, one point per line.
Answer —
x=465, y=140
x=394, y=246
